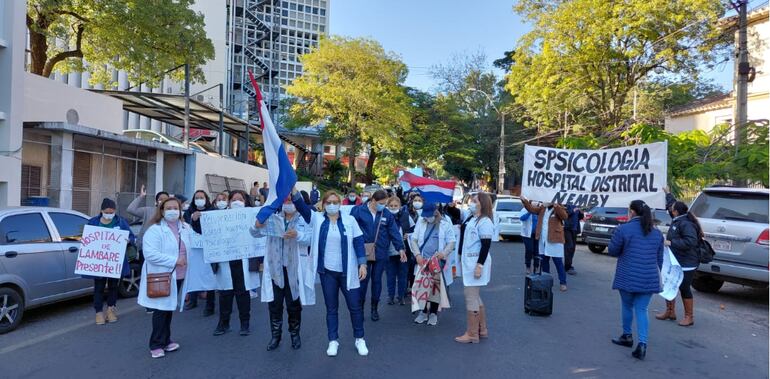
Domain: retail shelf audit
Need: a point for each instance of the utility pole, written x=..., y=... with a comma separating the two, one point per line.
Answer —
x=186, y=137
x=501, y=164
x=741, y=91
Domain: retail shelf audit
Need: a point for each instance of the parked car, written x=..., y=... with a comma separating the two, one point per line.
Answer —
x=735, y=222
x=507, y=214
x=38, y=251
x=600, y=223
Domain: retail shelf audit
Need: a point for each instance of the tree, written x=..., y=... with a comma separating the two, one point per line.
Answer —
x=657, y=97
x=583, y=57
x=354, y=87
x=142, y=38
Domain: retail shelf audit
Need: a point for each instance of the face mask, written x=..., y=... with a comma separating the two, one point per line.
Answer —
x=221, y=204
x=108, y=216
x=352, y=198
x=393, y=210
x=472, y=207
x=332, y=209
x=237, y=204
x=171, y=215
x=185, y=206
x=380, y=207
x=289, y=208
x=417, y=205
x=257, y=203
x=200, y=203
x=430, y=220
x=364, y=199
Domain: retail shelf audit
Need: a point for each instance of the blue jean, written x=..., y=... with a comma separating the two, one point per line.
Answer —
x=397, y=276
x=332, y=282
x=635, y=304
x=559, y=263
x=374, y=272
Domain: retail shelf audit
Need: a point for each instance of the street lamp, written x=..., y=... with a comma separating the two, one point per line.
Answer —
x=501, y=163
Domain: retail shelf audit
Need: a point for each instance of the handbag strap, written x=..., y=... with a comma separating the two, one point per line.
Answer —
x=427, y=236
x=377, y=233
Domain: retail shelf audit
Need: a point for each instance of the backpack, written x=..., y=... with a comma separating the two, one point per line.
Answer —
x=705, y=251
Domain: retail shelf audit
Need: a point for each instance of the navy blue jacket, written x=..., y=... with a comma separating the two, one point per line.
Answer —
x=315, y=195
x=196, y=224
x=574, y=215
x=388, y=229
x=123, y=225
x=640, y=258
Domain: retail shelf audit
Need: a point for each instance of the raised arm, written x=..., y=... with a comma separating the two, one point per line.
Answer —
x=303, y=209
x=135, y=208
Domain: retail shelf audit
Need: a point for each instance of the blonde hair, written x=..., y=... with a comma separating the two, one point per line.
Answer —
x=394, y=199
x=326, y=196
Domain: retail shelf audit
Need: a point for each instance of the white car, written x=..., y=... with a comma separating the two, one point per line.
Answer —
x=508, y=211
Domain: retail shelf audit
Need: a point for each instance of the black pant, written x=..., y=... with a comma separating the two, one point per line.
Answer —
x=684, y=288
x=161, y=329
x=432, y=307
x=530, y=251
x=240, y=293
x=411, y=261
x=209, y=298
x=112, y=293
x=281, y=296
x=570, y=241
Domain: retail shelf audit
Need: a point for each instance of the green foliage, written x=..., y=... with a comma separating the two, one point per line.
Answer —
x=583, y=57
x=143, y=38
x=333, y=173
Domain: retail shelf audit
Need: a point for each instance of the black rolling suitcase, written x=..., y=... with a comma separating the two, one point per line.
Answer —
x=538, y=293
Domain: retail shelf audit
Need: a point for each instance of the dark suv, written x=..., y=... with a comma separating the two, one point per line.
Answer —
x=601, y=222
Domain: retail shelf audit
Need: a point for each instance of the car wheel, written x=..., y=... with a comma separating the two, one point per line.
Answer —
x=129, y=286
x=707, y=284
x=11, y=309
x=596, y=249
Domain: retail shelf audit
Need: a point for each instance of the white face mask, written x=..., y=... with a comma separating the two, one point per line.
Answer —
x=365, y=199
x=108, y=216
x=185, y=207
x=332, y=209
x=417, y=205
x=221, y=204
x=200, y=203
x=257, y=203
x=472, y=207
x=352, y=198
x=289, y=208
x=430, y=219
x=237, y=204
x=393, y=210
x=171, y=215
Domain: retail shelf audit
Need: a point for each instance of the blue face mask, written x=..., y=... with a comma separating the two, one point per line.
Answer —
x=380, y=207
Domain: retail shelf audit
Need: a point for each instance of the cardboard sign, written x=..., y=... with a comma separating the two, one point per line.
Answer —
x=102, y=252
x=671, y=275
x=226, y=235
x=605, y=178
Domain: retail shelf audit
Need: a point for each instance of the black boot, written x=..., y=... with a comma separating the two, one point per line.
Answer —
x=222, y=327
x=276, y=324
x=375, y=314
x=208, y=311
x=210, y=304
x=390, y=300
x=245, y=331
x=295, y=319
x=640, y=352
x=626, y=340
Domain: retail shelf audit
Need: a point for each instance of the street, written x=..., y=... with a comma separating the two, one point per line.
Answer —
x=729, y=338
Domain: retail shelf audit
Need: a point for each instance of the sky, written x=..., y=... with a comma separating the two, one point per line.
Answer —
x=428, y=32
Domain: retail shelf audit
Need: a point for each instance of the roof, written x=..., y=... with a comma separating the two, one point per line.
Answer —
x=25, y=209
x=85, y=130
x=170, y=109
x=705, y=104
x=729, y=189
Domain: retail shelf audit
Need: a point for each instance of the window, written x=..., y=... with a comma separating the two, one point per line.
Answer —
x=70, y=226
x=24, y=228
x=509, y=206
x=732, y=206
x=323, y=12
x=31, y=181
x=293, y=6
x=301, y=8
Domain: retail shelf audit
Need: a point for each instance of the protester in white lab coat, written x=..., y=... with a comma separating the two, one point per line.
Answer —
x=476, y=263
x=165, y=250
x=287, y=277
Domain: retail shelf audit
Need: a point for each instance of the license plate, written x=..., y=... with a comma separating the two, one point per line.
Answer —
x=722, y=245
x=513, y=220
x=602, y=230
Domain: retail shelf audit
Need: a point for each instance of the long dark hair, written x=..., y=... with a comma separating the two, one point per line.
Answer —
x=205, y=196
x=682, y=209
x=246, y=198
x=643, y=210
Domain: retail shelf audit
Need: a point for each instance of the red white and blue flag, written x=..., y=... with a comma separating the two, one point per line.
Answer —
x=431, y=190
x=281, y=173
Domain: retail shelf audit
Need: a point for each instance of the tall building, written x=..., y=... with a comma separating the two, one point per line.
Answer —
x=267, y=37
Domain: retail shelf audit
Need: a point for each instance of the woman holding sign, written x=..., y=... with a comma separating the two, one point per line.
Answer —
x=192, y=216
x=339, y=245
x=476, y=265
x=639, y=248
x=108, y=219
x=165, y=252
x=550, y=236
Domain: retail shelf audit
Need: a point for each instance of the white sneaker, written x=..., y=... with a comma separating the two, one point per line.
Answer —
x=432, y=319
x=332, y=349
x=421, y=318
x=361, y=347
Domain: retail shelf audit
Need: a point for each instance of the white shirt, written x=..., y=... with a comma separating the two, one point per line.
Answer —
x=333, y=249
x=547, y=248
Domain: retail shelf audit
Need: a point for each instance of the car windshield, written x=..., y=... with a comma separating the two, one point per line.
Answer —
x=509, y=206
x=732, y=206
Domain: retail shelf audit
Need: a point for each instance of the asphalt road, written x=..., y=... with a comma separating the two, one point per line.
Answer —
x=729, y=339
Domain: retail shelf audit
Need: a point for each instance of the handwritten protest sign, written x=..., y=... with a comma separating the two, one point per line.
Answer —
x=606, y=178
x=102, y=252
x=226, y=236
x=671, y=275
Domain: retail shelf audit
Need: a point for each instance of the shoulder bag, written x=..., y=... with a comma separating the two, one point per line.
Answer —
x=159, y=285
x=370, y=248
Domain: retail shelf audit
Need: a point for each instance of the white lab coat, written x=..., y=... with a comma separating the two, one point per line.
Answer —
x=352, y=230
x=446, y=235
x=161, y=251
x=224, y=278
x=474, y=230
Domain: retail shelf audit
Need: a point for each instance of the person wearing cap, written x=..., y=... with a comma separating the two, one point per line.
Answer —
x=107, y=218
x=433, y=236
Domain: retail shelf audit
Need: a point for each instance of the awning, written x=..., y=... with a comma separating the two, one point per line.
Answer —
x=169, y=108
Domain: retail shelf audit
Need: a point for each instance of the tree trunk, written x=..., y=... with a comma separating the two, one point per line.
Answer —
x=38, y=46
x=370, y=166
x=352, y=166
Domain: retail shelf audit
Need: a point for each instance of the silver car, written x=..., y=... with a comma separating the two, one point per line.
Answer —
x=38, y=251
x=507, y=213
x=735, y=222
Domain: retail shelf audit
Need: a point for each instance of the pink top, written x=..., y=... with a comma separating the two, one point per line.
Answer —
x=180, y=270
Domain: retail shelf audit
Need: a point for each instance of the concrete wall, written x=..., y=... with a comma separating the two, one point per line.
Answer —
x=12, y=45
x=49, y=100
x=206, y=164
x=758, y=109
